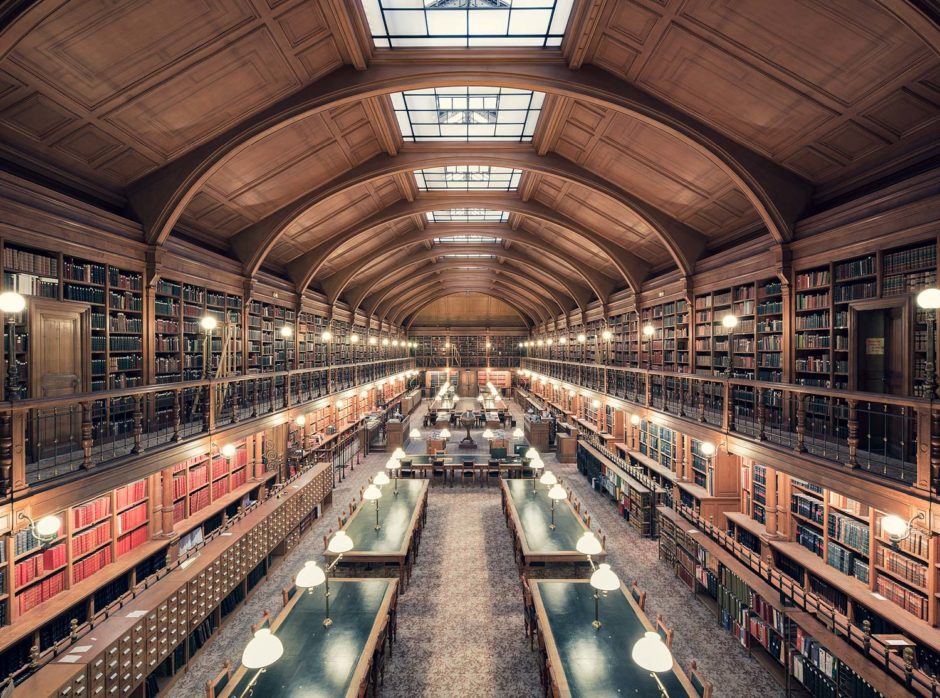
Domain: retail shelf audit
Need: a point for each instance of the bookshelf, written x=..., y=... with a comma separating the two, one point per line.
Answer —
x=756, y=344
x=267, y=349
x=624, y=345
x=668, y=349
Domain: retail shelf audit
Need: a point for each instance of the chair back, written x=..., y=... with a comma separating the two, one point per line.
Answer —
x=638, y=595
x=664, y=631
x=702, y=687
x=287, y=593
x=217, y=684
x=265, y=622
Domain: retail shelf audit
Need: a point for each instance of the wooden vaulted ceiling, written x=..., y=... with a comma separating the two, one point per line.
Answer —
x=263, y=129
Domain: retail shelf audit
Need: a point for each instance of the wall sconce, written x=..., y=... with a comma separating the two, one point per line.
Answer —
x=287, y=332
x=228, y=451
x=45, y=529
x=897, y=528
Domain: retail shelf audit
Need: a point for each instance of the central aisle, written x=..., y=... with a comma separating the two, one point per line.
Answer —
x=460, y=623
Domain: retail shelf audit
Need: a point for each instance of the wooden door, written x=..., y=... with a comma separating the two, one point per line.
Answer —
x=59, y=364
x=468, y=384
x=880, y=348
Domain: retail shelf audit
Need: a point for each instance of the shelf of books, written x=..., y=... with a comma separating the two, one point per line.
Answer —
x=624, y=343
x=267, y=350
x=668, y=349
x=756, y=344
x=849, y=558
x=179, y=337
x=789, y=643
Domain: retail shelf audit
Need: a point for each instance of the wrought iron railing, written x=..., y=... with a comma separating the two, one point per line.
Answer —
x=45, y=439
x=875, y=433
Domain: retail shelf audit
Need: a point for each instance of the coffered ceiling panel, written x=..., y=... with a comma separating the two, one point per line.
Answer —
x=291, y=162
x=828, y=88
x=367, y=246
x=655, y=166
x=601, y=215
x=334, y=215
x=107, y=90
x=579, y=248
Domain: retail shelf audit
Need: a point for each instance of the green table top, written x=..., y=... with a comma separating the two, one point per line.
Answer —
x=454, y=458
x=396, y=514
x=597, y=663
x=534, y=512
x=320, y=661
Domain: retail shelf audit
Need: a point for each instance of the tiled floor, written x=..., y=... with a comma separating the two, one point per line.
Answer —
x=460, y=630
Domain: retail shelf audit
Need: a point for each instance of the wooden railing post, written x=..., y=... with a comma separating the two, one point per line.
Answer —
x=701, y=401
x=208, y=404
x=682, y=397
x=138, y=424
x=800, y=423
x=729, y=407
x=254, y=397
x=86, y=435
x=761, y=416
x=177, y=415
x=6, y=454
x=852, y=438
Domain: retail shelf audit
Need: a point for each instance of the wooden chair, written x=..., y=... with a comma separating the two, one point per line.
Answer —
x=528, y=611
x=664, y=631
x=492, y=471
x=287, y=593
x=638, y=595
x=265, y=622
x=469, y=470
x=217, y=683
x=437, y=470
x=326, y=539
x=703, y=688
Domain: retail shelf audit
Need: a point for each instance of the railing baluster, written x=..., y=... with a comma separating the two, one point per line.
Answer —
x=177, y=415
x=761, y=416
x=852, y=438
x=138, y=424
x=86, y=434
x=800, y=423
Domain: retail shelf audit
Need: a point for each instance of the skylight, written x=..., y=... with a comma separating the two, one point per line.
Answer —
x=467, y=113
x=468, y=255
x=468, y=177
x=467, y=215
x=468, y=240
x=404, y=23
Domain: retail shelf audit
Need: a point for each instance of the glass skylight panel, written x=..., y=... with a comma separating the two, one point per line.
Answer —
x=468, y=255
x=467, y=113
x=467, y=215
x=405, y=23
x=467, y=178
x=468, y=240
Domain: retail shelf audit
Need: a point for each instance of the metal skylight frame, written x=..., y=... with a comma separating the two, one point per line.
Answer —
x=467, y=178
x=467, y=114
x=468, y=240
x=466, y=23
x=468, y=255
x=467, y=215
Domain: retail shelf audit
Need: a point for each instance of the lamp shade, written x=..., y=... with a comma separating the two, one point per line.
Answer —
x=635, y=419
x=557, y=492
x=392, y=463
x=487, y=434
x=730, y=321
x=604, y=579
x=340, y=543
x=415, y=433
x=381, y=478
x=300, y=420
x=649, y=330
x=208, y=323
x=311, y=575
x=12, y=302
x=287, y=331
x=928, y=299
x=47, y=527
x=651, y=653
x=445, y=433
x=536, y=463
x=894, y=526
x=531, y=453
x=548, y=478
x=588, y=544
x=517, y=433
x=707, y=449
x=263, y=650
x=372, y=493
x=480, y=397
x=228, y=450
x=399, y=452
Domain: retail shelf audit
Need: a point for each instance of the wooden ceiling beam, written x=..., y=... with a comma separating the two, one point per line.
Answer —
x=159, y=198
x=523, y=279
x=422, y=297
x=376, y=269
x=341, y=280
x=512, y=290
x=685, y=245
x=304, y=269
